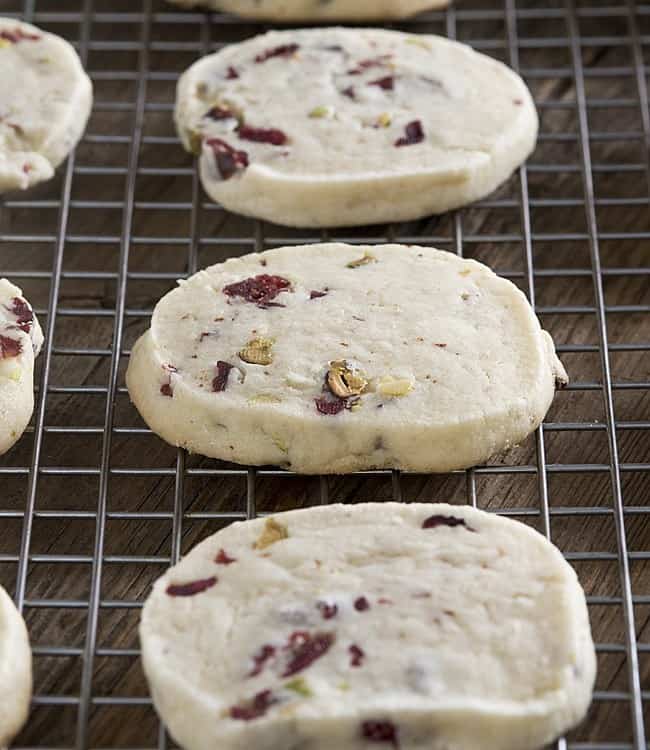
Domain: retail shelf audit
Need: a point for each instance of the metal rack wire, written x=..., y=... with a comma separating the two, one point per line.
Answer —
x=95, y=507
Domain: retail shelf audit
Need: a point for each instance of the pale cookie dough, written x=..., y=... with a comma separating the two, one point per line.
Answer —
x=332, y=358
x=45, y=102
x=15, y=670
x=340, y=127
x=21, y=339
x=404, y=627
x=317, y=10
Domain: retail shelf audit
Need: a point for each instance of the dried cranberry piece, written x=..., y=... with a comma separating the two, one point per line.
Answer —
x=273, y=136
x=387, y=83
x=220, y=380
x=261, y=657
x=284, y=50
x=18, y=35
x=255, y=708
x=167, y=390
x=223, y=558
x=357, y=655
x=232, y=73
x=259, y=289
x=9, y=347
x=192, y=588
x=229, y=160
x=374, y=62
x=414, y=134
x=219, y=113
x=434, y=521
x=380, y=731
x=328, y=611
x=23, y=312
x=305, y=649
x=315, y=294
x=330, y=406
x=349, y=92
x=361, y=604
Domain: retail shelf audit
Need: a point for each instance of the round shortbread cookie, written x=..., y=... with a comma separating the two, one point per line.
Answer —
x=21, y=339
x=411, y=627
x=45, y=102
x=317, y=10
x=332, y=358
x=15, y=670
x=340, y=127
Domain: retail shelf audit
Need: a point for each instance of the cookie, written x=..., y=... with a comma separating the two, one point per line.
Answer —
x=340, y=127
x=15, y=670
x=379, y=625
x=332, y=358
x=42, y=118
x=318, y=10
x=21, y=339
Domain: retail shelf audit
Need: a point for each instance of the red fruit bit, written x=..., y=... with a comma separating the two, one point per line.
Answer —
x=220, y=380
x=259, y=289
x=223, y=558
x=192, y=588
x=284, y=50
x=387, y=83
x=517, y=102
x=232, y=73
x=361, y=604
x=229, y=160
x=255, y=708
x=349, y=92
x=27, y=168
x=271, y=136
x=329, y=406
x=219, y=113
x=315, y=294
x=261, y=657
x=380, y=731
x=328, y=611
x=305, y=649
x=9, y=347
x=434, y=521
x=357, y=655
x=18, y=35
x=167, y=390
x=376, y=62
x=23, y=312
x=385, y=601
x=414, y=134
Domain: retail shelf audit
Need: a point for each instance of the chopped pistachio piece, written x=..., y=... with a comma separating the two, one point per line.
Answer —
x=384, y=120
x=195, y=140
x=418, y=42
x=344, y=380
x=258, y=351
x=394, y=387
x=321, y=112
x=273, y=532
x=264, y=398
x=367, y=258
x=299, y=685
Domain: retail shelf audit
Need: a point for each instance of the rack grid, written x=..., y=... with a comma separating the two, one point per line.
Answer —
x=94, y=507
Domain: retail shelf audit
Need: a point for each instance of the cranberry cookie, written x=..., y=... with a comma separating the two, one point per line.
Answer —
x=45, y=101
x=371, y=626
x=332, y=358
x=336, y=127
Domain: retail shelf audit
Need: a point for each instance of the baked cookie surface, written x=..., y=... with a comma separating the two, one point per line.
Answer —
x=418, y=627
x=21, y=339
x=43, y=116
x=15, y=670
x=341, y=127
x=333, y=358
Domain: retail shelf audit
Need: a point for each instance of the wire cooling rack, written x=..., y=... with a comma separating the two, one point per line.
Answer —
x=94, y=507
